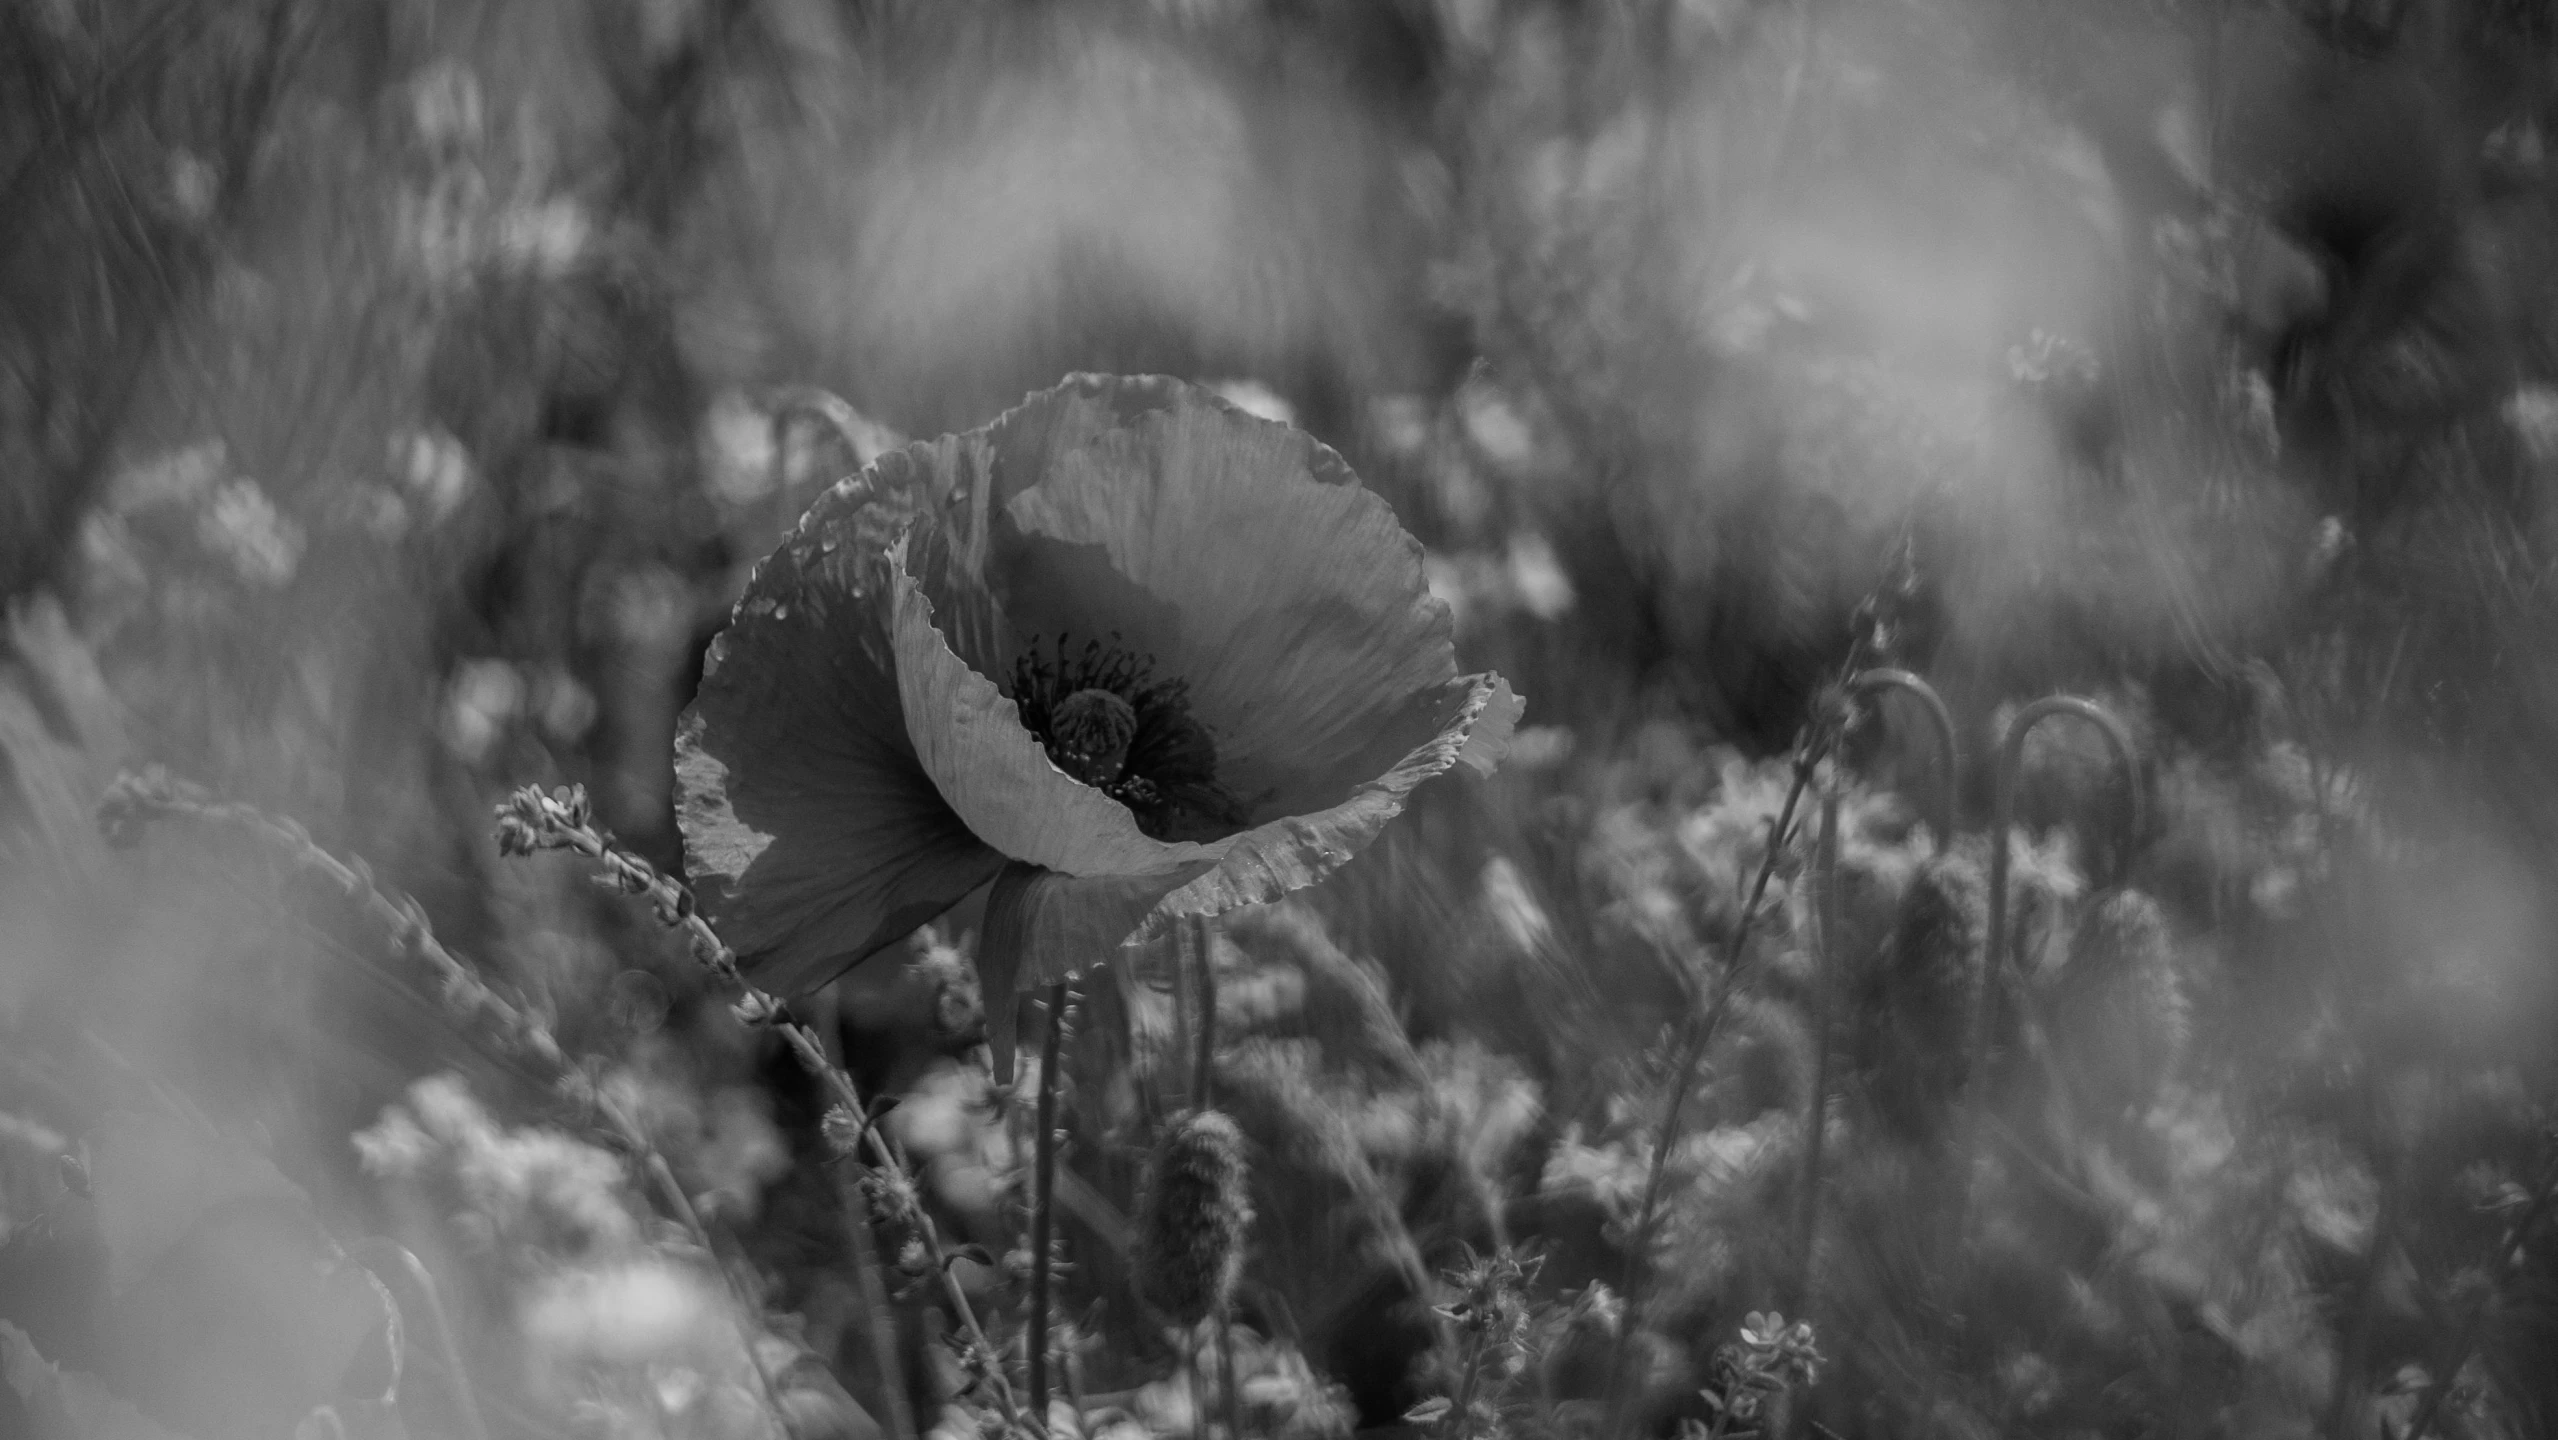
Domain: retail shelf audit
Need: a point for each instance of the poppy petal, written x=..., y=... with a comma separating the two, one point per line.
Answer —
x=1042, y=927
x=1270, y=860
x=812, y=832
x=1243, y=557
x=1488, y=743
x=994, y=774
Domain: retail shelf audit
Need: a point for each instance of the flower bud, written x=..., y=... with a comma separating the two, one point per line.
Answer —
x=1917, y=1008
x=1196, y=1210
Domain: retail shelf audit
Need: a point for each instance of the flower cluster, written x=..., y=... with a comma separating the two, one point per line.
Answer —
x=1771, y=1359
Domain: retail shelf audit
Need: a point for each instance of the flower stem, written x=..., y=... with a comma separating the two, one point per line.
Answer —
x=531, y=820
x=1696, y=1034
x=1203, y=1090
x=1231, y=1394
x=440, y=1325
x=1043, y=1193
x=1816, y=1119
x=886, y=1353
x=1461, y=1404
x=746, y=1306
x=1203, y=1065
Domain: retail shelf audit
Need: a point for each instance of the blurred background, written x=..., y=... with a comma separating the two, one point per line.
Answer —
x=395, y=394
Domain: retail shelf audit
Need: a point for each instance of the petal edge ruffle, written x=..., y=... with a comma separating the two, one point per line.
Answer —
x=1241, y=555
x=1042, y=927
x=811, y=831
x=995, y=775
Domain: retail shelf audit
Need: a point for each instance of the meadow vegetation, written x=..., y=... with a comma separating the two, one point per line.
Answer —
x=398, y=396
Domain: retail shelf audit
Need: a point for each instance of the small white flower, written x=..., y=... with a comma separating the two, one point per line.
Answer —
x=240, y=524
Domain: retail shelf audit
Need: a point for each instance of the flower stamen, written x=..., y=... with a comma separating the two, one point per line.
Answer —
x=1088, y=735
x=1108, y=722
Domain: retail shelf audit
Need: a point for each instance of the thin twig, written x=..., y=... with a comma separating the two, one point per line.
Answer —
x=1203, y=1090
x=1231, y=1394
x=748, y=1306
x=880, y=1320
x=414, y=1270
x=531, y=821
x=1043, y=1197
x=1203, y=1065
x=1697, y=1034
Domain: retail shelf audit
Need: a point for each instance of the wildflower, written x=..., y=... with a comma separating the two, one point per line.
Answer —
x=1191, y=1231
x=843, y=1130
x=1127, y=652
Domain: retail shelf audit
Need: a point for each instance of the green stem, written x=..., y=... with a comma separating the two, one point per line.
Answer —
x=1462, y=1411
x=466, y=1399
x=1826, y=961
x=1043, y=1193
x=554, y=823
x=1231, y=1395
x=1203, y=1065
x=1697, y=1034
x=887, y=1354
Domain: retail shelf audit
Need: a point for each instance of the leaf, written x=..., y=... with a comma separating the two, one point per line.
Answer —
x=1429, y=1412
x=1042, y=926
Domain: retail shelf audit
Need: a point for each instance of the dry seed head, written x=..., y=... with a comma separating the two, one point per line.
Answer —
x=1944, y=922
x=1916, y=1011
x=2125, y=933
x=1196, y=1210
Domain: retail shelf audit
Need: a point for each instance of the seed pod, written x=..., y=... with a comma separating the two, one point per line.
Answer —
x=1917, y=1008
x=2120, y=1016
x=1196, y=1210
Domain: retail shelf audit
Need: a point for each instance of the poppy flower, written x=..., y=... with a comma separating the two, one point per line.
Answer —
x=1128, y=652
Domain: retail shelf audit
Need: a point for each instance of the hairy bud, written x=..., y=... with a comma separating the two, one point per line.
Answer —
x=1196, y=1210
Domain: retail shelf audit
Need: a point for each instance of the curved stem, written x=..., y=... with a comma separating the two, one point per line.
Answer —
x=1940, y=721
x=414, y=1270
x=1828, y=961
x=2011, y=754
x=1043, y=1193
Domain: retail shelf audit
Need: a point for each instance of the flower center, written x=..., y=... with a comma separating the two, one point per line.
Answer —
x=1088, y=735
x=1107, y=721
